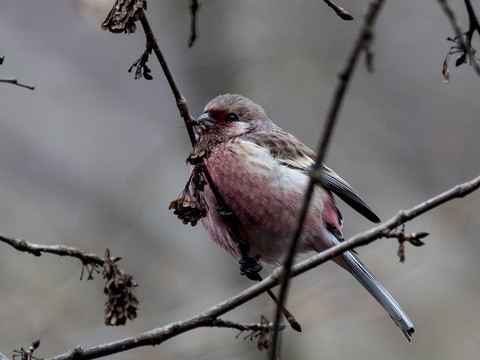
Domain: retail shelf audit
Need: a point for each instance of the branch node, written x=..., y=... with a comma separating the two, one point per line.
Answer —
x=28, y=354
x=183, y=107
x=76, y=353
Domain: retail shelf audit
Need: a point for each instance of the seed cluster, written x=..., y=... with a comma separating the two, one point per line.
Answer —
x=122, y=303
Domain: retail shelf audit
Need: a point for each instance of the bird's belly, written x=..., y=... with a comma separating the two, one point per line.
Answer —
x=264, y=195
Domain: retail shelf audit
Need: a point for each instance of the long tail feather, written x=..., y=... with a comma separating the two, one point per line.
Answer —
x=376, y=289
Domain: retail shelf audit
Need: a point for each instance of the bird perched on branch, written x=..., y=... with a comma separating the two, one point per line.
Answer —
x=261, y=173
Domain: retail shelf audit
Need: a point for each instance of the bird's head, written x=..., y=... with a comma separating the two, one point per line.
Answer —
x=229, y=116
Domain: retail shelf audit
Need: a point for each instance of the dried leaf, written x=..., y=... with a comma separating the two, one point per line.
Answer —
x=190, y=206
x=446, y=69
x=462, y=59
x=122, y=17
x=122, y=301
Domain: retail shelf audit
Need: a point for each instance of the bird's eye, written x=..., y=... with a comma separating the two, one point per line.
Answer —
x=232, y=117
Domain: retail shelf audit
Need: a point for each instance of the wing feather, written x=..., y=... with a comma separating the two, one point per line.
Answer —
x=291, y=152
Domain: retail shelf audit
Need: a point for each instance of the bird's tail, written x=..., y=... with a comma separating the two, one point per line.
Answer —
x=376, y=289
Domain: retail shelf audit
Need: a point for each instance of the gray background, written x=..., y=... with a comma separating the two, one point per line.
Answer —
x=92, y=159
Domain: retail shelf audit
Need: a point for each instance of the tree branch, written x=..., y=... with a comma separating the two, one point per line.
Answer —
x=180, y=100
x=341, y=12
x=158, y=336
x=14, y=81
x=385, y=229
x=193, y=6
x=209, y=317
x=465, y=45
x=37, y=250
x=363, y=39
x=472, y=17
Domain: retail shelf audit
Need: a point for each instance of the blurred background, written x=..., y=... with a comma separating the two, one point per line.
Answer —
x=92, y=159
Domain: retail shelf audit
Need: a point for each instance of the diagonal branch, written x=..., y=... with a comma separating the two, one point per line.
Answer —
x=14, y=81
x=363, y=39
x=472, y=17
x=386, y=228
x=341, y=12
x=209, y=317
x=180, y=100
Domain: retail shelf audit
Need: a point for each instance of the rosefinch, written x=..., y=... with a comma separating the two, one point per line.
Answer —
x=261, y=172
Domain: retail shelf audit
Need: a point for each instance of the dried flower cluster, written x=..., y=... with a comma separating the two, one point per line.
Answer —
x=190, y=205
x=198, y=153
x=463, y=46
x=123, y=15
x=262, y=331
x=122, y=303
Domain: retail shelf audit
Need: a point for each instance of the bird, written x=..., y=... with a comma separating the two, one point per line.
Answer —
x=261, y=172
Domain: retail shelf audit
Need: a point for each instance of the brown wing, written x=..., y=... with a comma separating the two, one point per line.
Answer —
x=286, y=148
x=293, y=153
x=344, y=191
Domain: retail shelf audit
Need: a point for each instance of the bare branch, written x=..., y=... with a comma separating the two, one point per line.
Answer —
x=14, y=81
x=385, y=229
x=37, y=250
x=122, y=303
x=180, y=100
x=341, y=12
x=209, y=317
x=193, y=6
x=364, y=37
x=472, y=17
x=465, y=45
x=158, y=336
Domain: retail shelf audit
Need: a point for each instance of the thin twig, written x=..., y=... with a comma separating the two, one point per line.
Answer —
x=155, y=337
x=181, y=104
x=472, y=17
x=341, y=12
x=458, y=32
x=209, y=317
x=385, y=229
x=180, y=100
x=362, y=39
x=193, y=6
x=14, y=81
x=37, y=250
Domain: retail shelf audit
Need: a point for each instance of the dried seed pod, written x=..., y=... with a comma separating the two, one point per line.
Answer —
x=264, y=340
x=122, y=303
x=198, y=153
x=190, y=206
x=123, y=15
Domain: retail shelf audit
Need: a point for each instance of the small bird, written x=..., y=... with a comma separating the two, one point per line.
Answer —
x=261, y=173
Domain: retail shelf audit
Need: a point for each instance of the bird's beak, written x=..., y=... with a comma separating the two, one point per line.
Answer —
x=205, y=121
